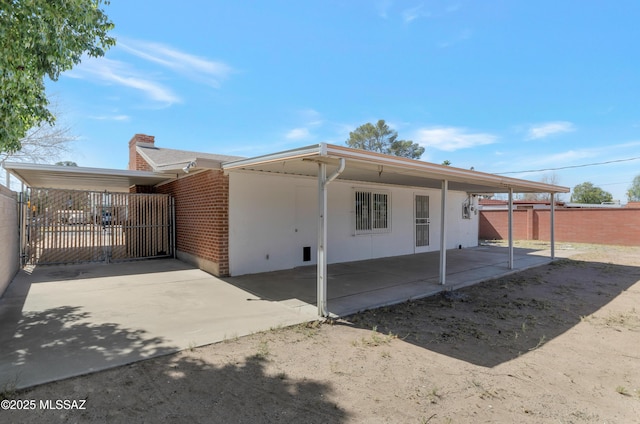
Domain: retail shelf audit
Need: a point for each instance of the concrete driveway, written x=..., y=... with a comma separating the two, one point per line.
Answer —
x=62, y=321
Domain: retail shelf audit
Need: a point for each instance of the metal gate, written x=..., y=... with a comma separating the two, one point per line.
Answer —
x=70, y=226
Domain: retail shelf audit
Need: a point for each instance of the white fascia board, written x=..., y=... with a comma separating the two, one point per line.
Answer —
x=200, y=164
x=314, y=150
x=402, y=165
x=447, y=172
x=18, y=166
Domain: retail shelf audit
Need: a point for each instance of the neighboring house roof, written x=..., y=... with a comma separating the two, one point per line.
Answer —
x=366, y=166
x=162, y=159
x=498, y=202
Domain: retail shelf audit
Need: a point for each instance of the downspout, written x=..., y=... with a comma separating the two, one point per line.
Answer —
x=321, y=274
x=337, y=172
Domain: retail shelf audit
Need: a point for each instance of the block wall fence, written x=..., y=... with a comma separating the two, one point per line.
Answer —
x=9, y=242
x=598, y=226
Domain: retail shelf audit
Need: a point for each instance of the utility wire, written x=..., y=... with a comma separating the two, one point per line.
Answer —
x=569, y=167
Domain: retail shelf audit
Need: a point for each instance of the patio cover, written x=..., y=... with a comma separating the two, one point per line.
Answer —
x=374, y=167
x=370, y=167
x=81, y=178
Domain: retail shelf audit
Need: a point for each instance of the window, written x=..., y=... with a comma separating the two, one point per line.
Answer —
x=372, y=212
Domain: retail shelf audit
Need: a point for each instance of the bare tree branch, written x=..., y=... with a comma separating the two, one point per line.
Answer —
x=45, y=143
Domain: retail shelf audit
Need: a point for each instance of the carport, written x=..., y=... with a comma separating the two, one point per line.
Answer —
x=75, y=215
x=328, y=163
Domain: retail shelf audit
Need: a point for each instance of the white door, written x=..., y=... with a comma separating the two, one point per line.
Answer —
x=422, y=221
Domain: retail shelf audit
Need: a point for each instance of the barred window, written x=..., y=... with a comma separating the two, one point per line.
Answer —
x=372, y=212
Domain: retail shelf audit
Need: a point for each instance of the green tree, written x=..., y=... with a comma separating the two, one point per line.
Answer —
x=41, y=38
x=588, y=193
x=634, y=191
x=382, y=139
x=446, y=162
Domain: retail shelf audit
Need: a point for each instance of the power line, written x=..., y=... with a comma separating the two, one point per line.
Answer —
x=569, y=167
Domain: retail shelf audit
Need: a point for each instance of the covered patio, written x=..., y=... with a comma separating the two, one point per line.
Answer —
x=361, y=285
x=327, y=163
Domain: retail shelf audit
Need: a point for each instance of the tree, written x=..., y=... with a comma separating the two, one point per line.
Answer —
x=446, y=162
x=41, y=38
x=380, y=138
x=588, y=193
x=546, y=179
x=634, y=191
x=41, y=144
x=66, y=163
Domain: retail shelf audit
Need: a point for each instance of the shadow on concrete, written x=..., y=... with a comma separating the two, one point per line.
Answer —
x=61, y=342
x=360, y=285
x=63, y=272
x=498, y=320
x=185, y=389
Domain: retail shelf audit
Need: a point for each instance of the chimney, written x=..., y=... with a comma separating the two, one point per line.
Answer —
x=136, y=162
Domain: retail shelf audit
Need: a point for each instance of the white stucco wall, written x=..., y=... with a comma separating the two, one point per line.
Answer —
x=272, y=217
x=9, y=243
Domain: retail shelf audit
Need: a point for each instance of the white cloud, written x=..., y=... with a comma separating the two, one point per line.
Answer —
x=383, y=6
x=114, y=71
x=451, y=139
x=111, y=117
x=297, y=134
x=312, y=117
x=571, y=156
x=453, y=8
x=414, y=13
x=462, y=36
x=549, y=128
x=195, y=67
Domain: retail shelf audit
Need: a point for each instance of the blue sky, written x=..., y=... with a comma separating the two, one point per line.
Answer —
x=500, y=86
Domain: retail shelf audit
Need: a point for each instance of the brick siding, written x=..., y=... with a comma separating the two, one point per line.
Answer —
x=202, y=217
x=599, y=226
x=202, y=210
x=136, y=162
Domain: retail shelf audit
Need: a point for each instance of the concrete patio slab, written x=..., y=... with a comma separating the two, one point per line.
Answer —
x=61, y=321
x=356, y=286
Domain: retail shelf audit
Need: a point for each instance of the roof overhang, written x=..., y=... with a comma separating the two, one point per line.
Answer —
x=81, y=178
x=371, y=167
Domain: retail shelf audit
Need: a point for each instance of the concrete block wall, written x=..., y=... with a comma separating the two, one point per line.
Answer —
x=9, y=242
x=598, y=226
x=202, y=219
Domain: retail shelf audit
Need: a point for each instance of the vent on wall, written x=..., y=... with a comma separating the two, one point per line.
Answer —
x=306, y=253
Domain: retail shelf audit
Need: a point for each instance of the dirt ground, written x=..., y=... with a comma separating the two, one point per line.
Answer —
x=555, y=344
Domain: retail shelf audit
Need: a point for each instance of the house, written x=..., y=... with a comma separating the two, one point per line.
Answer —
x=317, y=204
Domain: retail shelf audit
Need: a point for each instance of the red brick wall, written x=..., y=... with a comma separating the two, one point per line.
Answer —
x=136, y=162
x=599, y=226
x=202, y=218
x=137, y=189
